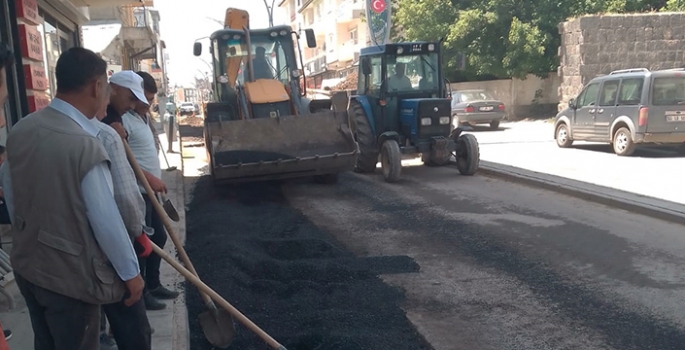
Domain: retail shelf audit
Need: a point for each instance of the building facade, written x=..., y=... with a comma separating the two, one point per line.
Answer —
x=128, y=36
x=340, y=33
x=39, y=31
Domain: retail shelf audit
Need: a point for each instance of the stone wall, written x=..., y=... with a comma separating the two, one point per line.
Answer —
x=596, y=45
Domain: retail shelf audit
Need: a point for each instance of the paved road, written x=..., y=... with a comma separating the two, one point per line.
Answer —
x=530, y=145
x=504, y=266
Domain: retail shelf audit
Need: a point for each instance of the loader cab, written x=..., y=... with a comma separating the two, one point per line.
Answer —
x=273, y=57
x=397, y=81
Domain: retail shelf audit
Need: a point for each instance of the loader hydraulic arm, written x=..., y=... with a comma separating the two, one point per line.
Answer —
x=235, y=19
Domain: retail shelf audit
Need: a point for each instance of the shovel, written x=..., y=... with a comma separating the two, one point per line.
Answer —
x=192, y=278
x=169, y=208
x=216, y=324
x=168, y=167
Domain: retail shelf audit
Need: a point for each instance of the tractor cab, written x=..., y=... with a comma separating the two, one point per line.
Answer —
x=402, y=102
x=397, y=80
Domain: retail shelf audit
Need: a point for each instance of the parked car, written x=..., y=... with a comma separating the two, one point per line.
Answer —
x=627, y=108
x=476, y=107
x=187, y=108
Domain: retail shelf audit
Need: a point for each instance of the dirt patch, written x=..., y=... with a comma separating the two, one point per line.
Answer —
x=290, y=277
x=191, y=121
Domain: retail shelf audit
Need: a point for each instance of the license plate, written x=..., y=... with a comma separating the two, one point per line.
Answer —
x=676, y=118
x=486, y=109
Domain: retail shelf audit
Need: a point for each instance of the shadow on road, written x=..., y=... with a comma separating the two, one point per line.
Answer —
x=641, y=152
x=483, y=128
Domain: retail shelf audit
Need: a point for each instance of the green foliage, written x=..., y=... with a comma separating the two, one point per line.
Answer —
x=675, y=5
x=505, y=38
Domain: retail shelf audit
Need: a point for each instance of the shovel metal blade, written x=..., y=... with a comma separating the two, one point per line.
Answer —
x=218, y=327
x=171, y=210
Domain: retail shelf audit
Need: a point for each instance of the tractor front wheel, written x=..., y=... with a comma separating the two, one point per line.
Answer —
x=363, y=134
x=391, y=160
x=468, y=154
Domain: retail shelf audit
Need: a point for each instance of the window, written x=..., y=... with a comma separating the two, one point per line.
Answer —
x=469, y=96
x=589, y=96
x=57, y=38
x=409, y=73
x=371, y=84
x=354, y=36
x=631, y=92
x=668, y=91
x=609, y=92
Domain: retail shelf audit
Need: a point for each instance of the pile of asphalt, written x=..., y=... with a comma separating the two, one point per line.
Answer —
x=290, y=277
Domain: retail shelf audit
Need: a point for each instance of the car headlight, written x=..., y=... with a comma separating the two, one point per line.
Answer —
x=425, y=121
x=444, y=120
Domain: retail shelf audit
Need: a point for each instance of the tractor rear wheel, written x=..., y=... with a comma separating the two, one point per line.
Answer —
x=391, y=160
x=468, y=154
x=363, y=134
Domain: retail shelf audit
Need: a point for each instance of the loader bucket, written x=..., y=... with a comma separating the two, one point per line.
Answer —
x=282, y=147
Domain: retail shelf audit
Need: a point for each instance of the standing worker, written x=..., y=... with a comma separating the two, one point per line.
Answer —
x=6, y=60
x=143, y=143
x=71, y=252
x=129, y=324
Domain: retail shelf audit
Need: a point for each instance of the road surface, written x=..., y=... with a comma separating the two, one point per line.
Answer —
x=498, y=265
x=530, y=145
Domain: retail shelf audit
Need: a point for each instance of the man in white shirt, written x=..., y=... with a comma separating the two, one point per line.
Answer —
x=144, y=147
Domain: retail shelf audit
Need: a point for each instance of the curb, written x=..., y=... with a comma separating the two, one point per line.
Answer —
x=640, y=204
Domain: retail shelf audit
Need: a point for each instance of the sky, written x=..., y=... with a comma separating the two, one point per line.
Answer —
x=184, y=21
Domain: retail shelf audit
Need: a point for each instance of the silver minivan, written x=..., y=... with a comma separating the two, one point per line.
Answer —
x=627, y=108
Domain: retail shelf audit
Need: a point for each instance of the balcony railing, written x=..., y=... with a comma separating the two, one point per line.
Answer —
x=316, y=65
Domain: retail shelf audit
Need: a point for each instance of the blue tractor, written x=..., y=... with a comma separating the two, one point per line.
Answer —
x=402, y=109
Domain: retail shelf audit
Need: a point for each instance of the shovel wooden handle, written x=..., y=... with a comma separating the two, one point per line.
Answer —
x=165, y=219
x=192, y=278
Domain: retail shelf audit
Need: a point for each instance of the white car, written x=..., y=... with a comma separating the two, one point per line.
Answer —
x=187, y=108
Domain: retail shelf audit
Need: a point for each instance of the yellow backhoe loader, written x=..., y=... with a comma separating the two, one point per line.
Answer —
x=259, y=125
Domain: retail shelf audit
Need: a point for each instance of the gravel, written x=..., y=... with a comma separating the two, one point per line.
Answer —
x=290, y=277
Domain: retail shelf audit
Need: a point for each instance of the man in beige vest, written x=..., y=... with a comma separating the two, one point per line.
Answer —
x=71, y=252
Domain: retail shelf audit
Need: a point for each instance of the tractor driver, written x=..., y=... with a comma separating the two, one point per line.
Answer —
x=399, y=81
x=261, y=67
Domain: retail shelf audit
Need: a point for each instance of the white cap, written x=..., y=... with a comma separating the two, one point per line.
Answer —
x=132, y=81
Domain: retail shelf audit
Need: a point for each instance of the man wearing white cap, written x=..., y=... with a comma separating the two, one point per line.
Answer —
x=129, y=324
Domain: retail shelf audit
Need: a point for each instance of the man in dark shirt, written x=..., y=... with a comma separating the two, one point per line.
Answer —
x=260, y=65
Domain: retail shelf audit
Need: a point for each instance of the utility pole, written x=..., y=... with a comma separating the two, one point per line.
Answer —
x=270, y=11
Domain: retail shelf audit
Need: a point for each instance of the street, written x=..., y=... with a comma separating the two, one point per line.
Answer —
x=482, y=263
x=650, y=172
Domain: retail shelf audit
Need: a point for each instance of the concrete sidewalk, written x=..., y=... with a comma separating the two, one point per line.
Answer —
x=170, y=324
x=641, y=204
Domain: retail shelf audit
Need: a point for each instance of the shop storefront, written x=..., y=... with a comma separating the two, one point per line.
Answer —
x=39, y=31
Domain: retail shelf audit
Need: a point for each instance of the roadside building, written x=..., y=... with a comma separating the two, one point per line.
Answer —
x=40, y=30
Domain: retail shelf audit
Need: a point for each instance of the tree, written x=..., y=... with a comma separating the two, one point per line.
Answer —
x=505, y=38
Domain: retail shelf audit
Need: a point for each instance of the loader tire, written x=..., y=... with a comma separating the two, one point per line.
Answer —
x=363, y=134
x=468, y=154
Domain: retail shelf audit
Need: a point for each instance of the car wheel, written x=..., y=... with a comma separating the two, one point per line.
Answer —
x=563, y=136
x=494, y=124
x=623, y=142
